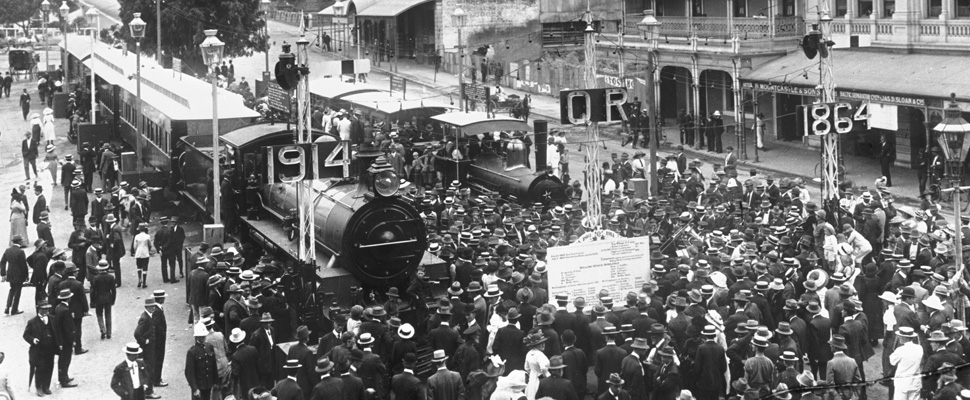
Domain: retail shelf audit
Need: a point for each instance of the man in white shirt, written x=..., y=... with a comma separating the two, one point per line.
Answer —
x=130, y=380
x=343, y=127
x=907, y=358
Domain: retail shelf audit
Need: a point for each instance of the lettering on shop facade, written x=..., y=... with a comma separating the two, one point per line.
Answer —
x=881, y=98
x=786, y=89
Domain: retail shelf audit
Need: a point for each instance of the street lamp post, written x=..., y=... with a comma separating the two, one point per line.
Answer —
x=137, y=27
x=650, y=29
x=94, y=20
x=338, y=12
x=264, y=8
x=211, y=49
x=458, y=18
x=158, y=31
x=64, y=10
x=953, y=130
x=45, y=8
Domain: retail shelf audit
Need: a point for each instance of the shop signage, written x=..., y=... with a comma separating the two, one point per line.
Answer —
x=824, y=118
x=583, y=269
x=592, y=105
x=477, y=93
x=881, y=98
x=786, y=89
x=399, y=85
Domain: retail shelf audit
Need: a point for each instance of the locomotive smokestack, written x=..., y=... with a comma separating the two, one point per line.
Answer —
x=542, y=138
x=365, y=157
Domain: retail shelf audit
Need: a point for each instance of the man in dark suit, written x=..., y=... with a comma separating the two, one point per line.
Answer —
x=103, y=294
x=178, y=242
x=306, y=377
x=161, y=333
x=67, y=176
x=130, y=381
x=98, y=205
x=576, y=365
x=264, y=340
x=711, y=366
x=78, y=304
x=56, y=276
x=667, y=384
x=444, y=384
x=166, y=247
x=79, y=202
x=443, y=337
x=14, y=270
x=508, y=343
x=819, y=331
x=633, y=371
x=842, y=369
x=244, y=362
x=330, y=386
x=554, y=386
x=563, y=318
x=64, y=336
x=581, y=327
x=406, y=386
x=44, y=229
x=145, y=335
x=353, y=386
x=40, y=204
x=856, y=340
x=28, y=148
x=200, y=366
x=372, y=370
x=40, y=336
x=615, y=391
x=887, y=156
x=608, y=360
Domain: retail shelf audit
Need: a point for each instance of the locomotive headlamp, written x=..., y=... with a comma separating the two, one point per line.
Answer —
x=386, y=183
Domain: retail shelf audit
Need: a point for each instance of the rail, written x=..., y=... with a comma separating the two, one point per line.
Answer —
x=951, y=31
x=720, y=27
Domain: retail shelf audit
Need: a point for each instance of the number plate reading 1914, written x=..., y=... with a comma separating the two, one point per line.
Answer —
x=824, y=118
x=307, y=161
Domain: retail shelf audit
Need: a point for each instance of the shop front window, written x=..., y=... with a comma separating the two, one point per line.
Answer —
x=788, y=8
x=865, y=8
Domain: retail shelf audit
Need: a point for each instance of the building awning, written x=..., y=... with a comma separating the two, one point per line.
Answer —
x=476, y=123
x=390, y=8
x=860, y=72
x=554, y=11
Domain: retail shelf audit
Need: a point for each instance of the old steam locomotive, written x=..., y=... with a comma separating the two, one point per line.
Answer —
x=367, y=236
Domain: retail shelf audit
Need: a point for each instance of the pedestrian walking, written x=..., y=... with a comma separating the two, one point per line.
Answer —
x=67, y=178
x=103, y=295
x=79, y=202
x=178, y=243
x=7, y=83
x=38, y=260
x=130, y=378
x=160, y=325
x=196, y=290
x=15, y=271
x=165, y=245
x=48, y=126
x=39, y=335
x=887, y=157
x=78, y=304
x=245, y=364
x=142, y=250
x=24, y=103
x=28, y=149
x=64, y=337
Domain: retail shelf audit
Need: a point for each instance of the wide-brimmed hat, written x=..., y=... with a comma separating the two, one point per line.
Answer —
x=323, y=365
x=555, y=362
x=890, y=297
x=302, y=332
x=956, y=325
x=933, y=302
x=666, y=351
x=534, y=339
x=132, y=348
x=65, y=294
x=938, y=336
x=493, y=291
x=237, y=335
x=838, y=342
x=806, y=379
x=406, y=331
x=267, y=317
x=784, y=328
x=640, y=343
x=545, y=319
x=615, y=379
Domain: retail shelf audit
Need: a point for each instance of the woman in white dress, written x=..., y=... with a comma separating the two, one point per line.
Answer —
x=48, y=126
x=536, y=363
x=511, y=387
x=18, y=215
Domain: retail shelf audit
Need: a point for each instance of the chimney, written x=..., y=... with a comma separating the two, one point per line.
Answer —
x=365, y=157
x=541, y=127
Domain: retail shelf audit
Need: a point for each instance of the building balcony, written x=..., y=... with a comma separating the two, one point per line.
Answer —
x=747, y=35
x=953, y=34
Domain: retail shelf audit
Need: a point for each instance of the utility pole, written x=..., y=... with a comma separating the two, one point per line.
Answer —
x=158, y=31
x=830, y=142
x=594, y=173
x=305, y=189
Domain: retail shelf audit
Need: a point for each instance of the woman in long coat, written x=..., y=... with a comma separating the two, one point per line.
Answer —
x=18, y=215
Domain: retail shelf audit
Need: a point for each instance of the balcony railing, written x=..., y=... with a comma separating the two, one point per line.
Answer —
x=929, y=31
x=723, y=27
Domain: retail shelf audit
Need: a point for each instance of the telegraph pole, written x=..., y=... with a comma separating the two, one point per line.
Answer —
x=830, y=142
x=593, y=171
x=304, y=192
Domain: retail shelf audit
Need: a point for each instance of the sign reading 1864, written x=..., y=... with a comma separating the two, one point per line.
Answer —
x=279, y=99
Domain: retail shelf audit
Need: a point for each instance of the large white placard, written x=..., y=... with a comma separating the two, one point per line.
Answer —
x=583, y=269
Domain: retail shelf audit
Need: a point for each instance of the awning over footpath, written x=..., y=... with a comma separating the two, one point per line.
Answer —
x=390, y=8
x=861, y=72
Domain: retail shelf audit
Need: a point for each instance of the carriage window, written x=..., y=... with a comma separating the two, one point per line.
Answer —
x=516, y=154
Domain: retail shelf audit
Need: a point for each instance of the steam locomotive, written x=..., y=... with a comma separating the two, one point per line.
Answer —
x=366, y=235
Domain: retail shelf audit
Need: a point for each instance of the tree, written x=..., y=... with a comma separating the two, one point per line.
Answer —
x=19, y=12
x=183, y=21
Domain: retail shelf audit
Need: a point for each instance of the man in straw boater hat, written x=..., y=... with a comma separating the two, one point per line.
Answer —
x=287, y=388
x=145, y=336
x=103, y=293
x=40, y=337
x=712, y=365
x=608, y=359
x=130, y=379
x=759, y=370
x=64, y=336
x=444, y=384
x=245, y=360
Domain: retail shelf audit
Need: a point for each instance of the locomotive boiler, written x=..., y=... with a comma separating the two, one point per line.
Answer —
x=366, y=235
